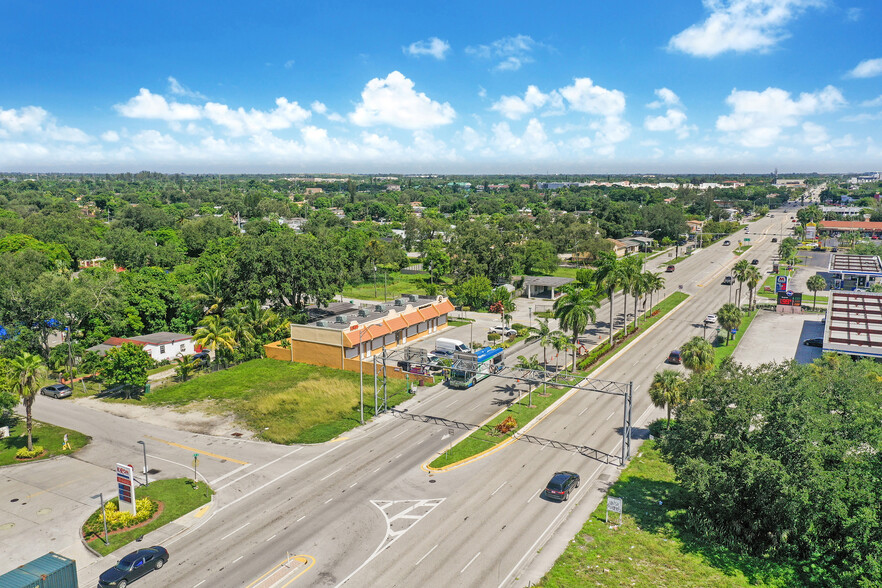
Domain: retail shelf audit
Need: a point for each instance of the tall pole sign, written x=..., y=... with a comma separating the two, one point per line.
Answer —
x=125, y=477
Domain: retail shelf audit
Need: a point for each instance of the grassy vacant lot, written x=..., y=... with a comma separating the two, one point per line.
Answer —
x=282, y=402
x=396, y=285
x=178, y=497
x=485, y=438
x=653, y=547
x=49, y=436
x=721, y=350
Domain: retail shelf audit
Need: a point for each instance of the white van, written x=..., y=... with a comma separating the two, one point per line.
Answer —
x=450, y=346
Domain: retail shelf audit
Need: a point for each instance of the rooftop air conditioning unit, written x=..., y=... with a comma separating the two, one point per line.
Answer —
x=380, y=308
x=341, y=318
x=321, y=323
x=400, y=302
x=362, y=312
x=413, y=297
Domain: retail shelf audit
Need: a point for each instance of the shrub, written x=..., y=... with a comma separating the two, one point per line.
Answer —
x=506, y=426
x=23, y=453
x=519, y=327
x=493, y=336
x=117, y=519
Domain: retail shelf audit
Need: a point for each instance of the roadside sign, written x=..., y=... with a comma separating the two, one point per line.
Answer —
x=733, y=331
x=125, y=476
x=614, y=504
x=782, y=283
x=747, y=239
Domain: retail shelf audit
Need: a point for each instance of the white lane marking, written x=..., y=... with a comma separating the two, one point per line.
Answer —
x=329, y=475
x=543, y=447
x=300, y=519
x=186, y=467
x=400, y=434
x=611, y=415
x=199, y=584
x=583, y=410
x=455, y=400
x=480, y=404
x=267, y=541
x=328, y=500
x=377, y=470
x=420, y=560
x=275, y=480
x=228, y=474
x=397, y=456
x=353, y=484
x=535, y=495
x=498, y=489
x=234, y=532
x=470, y=562
x=241, y=556
x=255, y=470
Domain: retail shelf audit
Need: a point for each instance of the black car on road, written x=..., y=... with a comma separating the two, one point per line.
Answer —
x=814, y=342
x=754, y=262
x=133, y=566
x=561, y=484
x=56, y=390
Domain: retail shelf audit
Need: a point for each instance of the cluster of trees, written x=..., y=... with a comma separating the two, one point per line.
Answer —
x=783, y=461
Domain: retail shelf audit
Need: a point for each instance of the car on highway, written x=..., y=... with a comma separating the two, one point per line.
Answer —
x=670, y=268
x=503, y=330
x=674, y=357
x=774, y=239
x=133, y=566
x=727, y=242
x=710, y=319
x=561, y=484
x=728, y=281
x=56, y=390
x=814, y=342
x=754, y=262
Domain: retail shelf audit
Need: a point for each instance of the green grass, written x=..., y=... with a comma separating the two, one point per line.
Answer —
x=677, y=260
x=484, y=439
x=460, y=322
x=653, y=546
x=721, y=350
x=741, y=250
x=546, y=314
x=396, y=285
x=280, y=401
x=49, y=436
x=178, y=497
x=807, y=297
x=566, y=272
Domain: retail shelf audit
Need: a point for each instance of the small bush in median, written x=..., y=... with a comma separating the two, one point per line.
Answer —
x=117, y=519
x=506, y=426
x=23, y=453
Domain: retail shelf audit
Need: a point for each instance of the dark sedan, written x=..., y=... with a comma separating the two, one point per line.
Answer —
x=133, y=566
x=815, y=342
x=56, y=390
x=561, y=484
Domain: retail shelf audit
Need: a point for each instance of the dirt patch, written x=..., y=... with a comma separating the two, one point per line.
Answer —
x=190, y=419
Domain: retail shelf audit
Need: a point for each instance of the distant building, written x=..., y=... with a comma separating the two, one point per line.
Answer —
x=159, y=346
x=694, y=225
x=310, y=191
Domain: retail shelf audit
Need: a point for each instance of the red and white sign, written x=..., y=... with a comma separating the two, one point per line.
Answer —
x=125, y=482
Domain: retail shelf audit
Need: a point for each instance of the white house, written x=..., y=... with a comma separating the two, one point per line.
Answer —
x=159, y=346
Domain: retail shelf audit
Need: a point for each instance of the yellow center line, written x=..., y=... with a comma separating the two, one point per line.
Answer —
x=199, y=451
x=306, y=569
x=301, y=558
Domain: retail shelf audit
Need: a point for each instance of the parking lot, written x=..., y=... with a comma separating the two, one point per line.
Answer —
x=778, y=337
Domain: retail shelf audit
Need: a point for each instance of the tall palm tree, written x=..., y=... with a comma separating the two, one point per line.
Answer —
x=215, y=335
x=630, y=276
x=608, y=277
x=240, y=327
x=264, y=323
x=738, y=271
x=730, y=318
x=560, y=343
x=26, y=370
x=752, y=277
x=656, y=283
x=210, y=291
x=667, y=390
x=545, y=334
x=698, y=355
x=639, y=288
x=574, y=311
x=815, y=283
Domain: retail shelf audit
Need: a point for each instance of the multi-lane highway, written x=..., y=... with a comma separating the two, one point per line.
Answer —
x=363, y=512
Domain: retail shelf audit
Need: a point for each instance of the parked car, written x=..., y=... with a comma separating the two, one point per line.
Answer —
x=670, y=268
x=561, y=484
x=503, y=330
x=754, y=262
x=710, y=319
x=201, y=359
x=727, y=242
x=814, y=342
x=56, y=390
x=835, y=250
x=819, y=248
x=674, y=357
x=774, y=239
x=728, y=280
x=133, y=566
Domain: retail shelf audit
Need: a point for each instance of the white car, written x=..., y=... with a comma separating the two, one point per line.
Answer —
x=503, y=330
x=710, y=319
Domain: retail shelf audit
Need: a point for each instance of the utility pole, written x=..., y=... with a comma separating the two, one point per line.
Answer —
x=144, y=446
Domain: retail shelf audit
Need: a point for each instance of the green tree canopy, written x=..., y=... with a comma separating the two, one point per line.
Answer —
x=126, y=364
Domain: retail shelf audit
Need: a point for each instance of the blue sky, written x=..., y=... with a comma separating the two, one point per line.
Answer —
x=468, y=87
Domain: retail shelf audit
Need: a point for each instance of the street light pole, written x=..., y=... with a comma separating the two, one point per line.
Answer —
x=100, y=496
x=144, y=446
x=361, y=375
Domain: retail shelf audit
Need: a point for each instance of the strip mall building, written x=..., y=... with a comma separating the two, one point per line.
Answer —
x=338, y=335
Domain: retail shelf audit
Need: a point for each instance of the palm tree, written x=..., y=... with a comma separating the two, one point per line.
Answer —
x=655, y=282
x=815, y=283
x=210, y=290
x=752, y=277
x=240, y=327
x=629, y=277
x=560, y=343
x=608, y=278
x=730, y=318
x=215, y=335
x=264, y=323
x=26, y=370
x=698, y=355
x=738, y=270
x=667, y=390
x=545, y=335
x=530, y=363
x=574, y=311
x=639, y=288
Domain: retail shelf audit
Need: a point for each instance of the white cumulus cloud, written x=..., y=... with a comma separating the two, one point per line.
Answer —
x=585, y=96
x=175, y=87
x=433, y=47
x=154, y=106
x=515, y=107
x=740, y=26
x=242, y=122
x=533, y=143
x=510, y=53
x=758, y=118
x=393, y=101
x=868, y=68
x=37, y=122
x=666, y=97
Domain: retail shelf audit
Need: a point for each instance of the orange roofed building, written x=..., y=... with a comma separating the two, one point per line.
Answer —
x=336, y=336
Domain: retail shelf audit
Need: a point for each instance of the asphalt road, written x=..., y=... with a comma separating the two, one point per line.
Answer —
x=361, y=510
